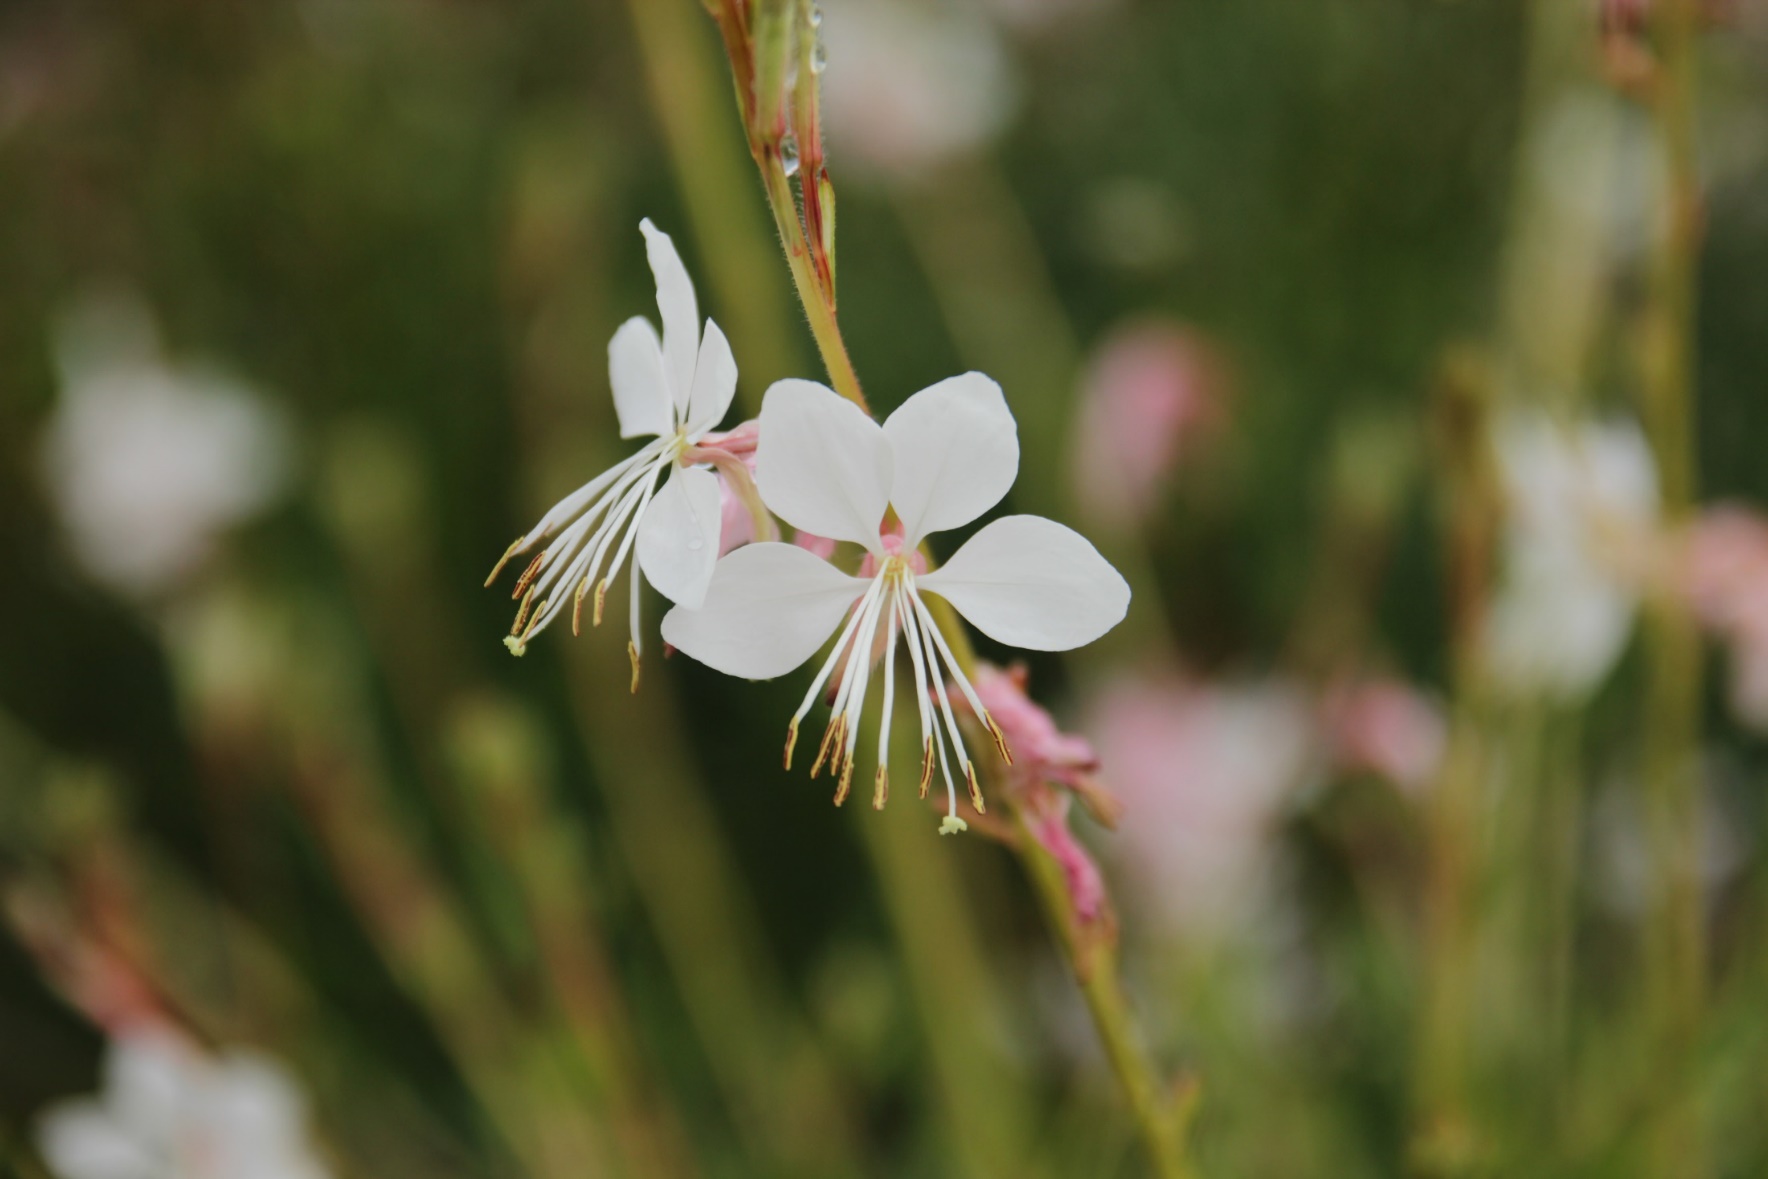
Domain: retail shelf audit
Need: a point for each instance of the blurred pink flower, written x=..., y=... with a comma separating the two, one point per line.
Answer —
x=1150, y=387
x=1724, y=577
x=1203, y=773
x=1385, y=727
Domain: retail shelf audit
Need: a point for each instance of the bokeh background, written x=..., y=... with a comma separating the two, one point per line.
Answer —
x=303, y=315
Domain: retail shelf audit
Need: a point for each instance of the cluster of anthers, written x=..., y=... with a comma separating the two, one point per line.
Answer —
x=894, y=603
x=947, y=456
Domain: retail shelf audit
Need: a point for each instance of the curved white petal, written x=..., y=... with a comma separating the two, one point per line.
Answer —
x=956, y=454
x=680, y=311
x=635, y=372
x=678, y=538
x=715, y=381
x=82, y=1140
x=822, y=465
x=1030, y=582
x=770, y=606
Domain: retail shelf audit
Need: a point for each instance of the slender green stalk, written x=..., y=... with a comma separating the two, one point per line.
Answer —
x=1162, y=1116
x=1674, y=933
x=818, y=310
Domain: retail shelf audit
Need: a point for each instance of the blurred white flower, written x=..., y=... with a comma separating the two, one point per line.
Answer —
x=1581, y=516
x=911, y=83
x=1037, y=15
x=147, y=462
x=169, y=1112
x=1203, y=773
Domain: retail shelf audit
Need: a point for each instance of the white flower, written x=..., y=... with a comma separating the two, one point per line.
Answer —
x=147, y=462
x=941, y=460
x=1582, y=505
x=168, y=1112
x=672, y=389
x=911, y=85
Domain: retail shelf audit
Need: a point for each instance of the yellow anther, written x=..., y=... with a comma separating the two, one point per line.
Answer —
x=515, y=547
x=1000, y=738
x=791, y=740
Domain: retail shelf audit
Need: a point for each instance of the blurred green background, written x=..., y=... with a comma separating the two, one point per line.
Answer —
x=502, y=918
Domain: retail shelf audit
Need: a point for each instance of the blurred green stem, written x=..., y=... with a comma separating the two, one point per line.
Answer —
x=1674, y=935
x=985, y=1109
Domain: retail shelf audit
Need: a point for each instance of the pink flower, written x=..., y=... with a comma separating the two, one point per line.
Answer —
x=737, y=515
x=1386, y=727
x=1724, y=578
x=1206, y=772
x=1151, y=387
x=1045, y=757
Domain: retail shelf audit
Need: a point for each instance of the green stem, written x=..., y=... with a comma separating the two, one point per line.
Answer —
x=1674, y=934
x=1162, y=1118
x=819, y=310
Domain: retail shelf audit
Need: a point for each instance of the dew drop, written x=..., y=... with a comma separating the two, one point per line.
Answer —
x=819, y=56
x=789, y=155
x=816, y=16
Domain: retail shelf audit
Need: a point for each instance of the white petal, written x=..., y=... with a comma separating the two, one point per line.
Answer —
x=770, y=606
x=1030, y=582
x=635, y=371
x=80, y=1140
x=681, y=314
x=715, y=381
x=957, y=452
x=149, y=1076
x=678, y=538
x=822, y=465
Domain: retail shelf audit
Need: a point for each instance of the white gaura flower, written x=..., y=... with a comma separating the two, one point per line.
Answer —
x=941, y=460
x=672, y=389
x=169, y=1112
x=1582, y=512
